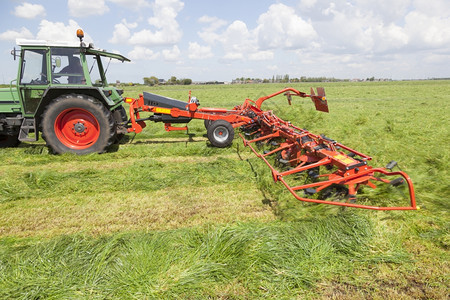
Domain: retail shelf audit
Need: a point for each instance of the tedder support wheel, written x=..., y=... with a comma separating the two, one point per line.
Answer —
x=207, y=123
x=7, y=141
x=220, y=133
x=79, y=124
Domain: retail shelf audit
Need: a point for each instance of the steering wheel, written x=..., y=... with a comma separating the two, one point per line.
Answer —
x=37, y=81
x=42, y=80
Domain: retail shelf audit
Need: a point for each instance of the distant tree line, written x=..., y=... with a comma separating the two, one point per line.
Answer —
x=153, y=80
x=286, y=79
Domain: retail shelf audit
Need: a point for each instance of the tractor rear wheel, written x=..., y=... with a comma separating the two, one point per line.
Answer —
x=7, y=141
x=220, y=133
x=120, y=118
x=79, y=124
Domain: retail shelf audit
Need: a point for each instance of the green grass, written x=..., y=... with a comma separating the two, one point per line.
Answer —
x=168, y=216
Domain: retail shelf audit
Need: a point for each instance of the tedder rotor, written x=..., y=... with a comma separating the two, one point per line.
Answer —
x=333, y=173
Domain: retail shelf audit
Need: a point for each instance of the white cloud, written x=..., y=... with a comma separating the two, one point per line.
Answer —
x=347, y=29
x=84, y=8
x=280, y=27
x=12, y=35
x=164, y=20
x=171, y=54
x=272, y=67
x=122, y=32
x=208, y=33
x=386, y=11
x=437, y=59
x=427, y=31
x=142, y=53
x=57, y=31
x=237, y=41
x=29, y=11
x=151, y=38
x=233, y=56
x=132, y=4
x=386, y=38
x=208, y=19
x=379, y=27
x=129, y=25
x=307, y=3
x=432, y=8
x=165, y=11
x=261, y=55
x=196, y=51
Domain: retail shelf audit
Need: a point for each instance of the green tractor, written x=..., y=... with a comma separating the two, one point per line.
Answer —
x=61, y=91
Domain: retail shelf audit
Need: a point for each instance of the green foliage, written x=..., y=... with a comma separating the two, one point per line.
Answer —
x=151, y=81
x=261, y=259
x=169, y=216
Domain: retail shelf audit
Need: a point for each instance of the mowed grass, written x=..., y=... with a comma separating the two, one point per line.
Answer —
x=167, y=216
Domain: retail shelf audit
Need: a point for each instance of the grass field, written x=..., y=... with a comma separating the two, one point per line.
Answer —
x=167, y=216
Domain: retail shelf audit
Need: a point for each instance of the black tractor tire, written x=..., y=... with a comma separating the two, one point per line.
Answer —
x=220, y=133
x=78, y=124
x=9, y=141
x=121, y=118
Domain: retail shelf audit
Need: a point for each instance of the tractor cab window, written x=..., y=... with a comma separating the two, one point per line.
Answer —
x=34, y=67
x=95, y=67
x=66, y=66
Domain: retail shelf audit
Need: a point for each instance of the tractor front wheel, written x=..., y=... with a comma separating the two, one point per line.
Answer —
x=220, y=133
x=79, y=124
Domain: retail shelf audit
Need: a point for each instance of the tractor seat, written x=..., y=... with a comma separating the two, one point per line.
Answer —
x=161, y=101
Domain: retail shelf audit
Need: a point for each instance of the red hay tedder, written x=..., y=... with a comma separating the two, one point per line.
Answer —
x=330, y=169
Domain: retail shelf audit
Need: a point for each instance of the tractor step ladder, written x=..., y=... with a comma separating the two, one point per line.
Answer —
x=28, y=126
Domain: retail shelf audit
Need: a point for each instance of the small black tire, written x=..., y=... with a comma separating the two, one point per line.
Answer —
x=220, y=133
x=9, y=141
x=78, y=124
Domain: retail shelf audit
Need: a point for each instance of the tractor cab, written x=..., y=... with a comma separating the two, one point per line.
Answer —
x=46, y=66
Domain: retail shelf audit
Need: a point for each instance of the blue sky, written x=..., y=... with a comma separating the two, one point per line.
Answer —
x=222, y=40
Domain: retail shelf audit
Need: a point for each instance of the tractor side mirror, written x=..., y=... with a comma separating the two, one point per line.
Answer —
x=14, y=53
x=58, y=62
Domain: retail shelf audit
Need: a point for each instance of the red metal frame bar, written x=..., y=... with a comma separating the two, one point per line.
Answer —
x=137, y=105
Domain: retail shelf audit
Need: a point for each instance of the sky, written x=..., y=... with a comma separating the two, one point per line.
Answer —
x=223, y=40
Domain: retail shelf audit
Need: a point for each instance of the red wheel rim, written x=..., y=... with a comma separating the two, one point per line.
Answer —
x=77, y=128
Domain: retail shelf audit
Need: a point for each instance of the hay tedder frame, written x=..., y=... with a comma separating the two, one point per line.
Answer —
x=314, y=168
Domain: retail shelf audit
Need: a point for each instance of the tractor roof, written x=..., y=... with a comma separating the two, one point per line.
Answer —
x=45, y=43
x=69, y=44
